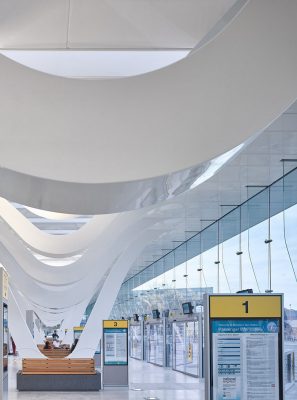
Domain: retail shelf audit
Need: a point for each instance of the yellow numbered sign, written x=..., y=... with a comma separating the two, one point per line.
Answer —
x=115, y=324
x=78, y=328
x=250, y=306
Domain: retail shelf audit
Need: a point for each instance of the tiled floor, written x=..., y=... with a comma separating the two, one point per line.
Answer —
x=152, y=381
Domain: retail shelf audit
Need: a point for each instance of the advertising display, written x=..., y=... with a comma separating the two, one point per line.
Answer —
x=244, y=347
x=115, y=353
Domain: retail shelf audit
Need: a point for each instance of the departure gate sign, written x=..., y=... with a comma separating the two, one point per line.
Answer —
x=244, y=347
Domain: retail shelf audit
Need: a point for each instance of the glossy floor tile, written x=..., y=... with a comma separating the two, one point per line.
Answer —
x=148, y=380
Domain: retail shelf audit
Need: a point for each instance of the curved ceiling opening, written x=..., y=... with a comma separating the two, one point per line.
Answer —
x=92, y=39
x=95, y=64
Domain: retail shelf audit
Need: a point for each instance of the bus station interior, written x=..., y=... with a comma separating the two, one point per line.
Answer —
x=148, y=199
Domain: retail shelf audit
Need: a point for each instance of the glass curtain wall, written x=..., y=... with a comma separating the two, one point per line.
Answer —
x=252, y=246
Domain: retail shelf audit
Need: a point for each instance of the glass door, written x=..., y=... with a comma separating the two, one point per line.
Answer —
x=186, y=347
x=146, y=343
x=169, y=344
x=192, y=348
x=179, y=346
x=136, y=342
x=156, y=344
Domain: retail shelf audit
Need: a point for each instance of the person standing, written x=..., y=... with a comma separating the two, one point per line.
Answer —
x=55, y=335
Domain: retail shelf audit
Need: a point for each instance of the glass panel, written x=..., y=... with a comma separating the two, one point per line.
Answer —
x=250, y=271
x=179, y=346
x=136, y=341
x=283, y=280
x=192, y=348
x=209, y=269
x=169, y=344
x=258, y=253
x=146, y=343
x=186, y=347
x=156, y=344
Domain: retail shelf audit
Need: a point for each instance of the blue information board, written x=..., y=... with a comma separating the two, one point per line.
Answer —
x=244, y=347
x=115, y=346
x=245, y=326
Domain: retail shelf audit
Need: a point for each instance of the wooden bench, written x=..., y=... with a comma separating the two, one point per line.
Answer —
x=85, y=366
x=54, y=353
x=52, y=374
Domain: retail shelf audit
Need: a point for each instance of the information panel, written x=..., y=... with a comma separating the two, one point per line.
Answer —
x=244, y=350
x=115, y=346
x=115, y=342
x=115, y=353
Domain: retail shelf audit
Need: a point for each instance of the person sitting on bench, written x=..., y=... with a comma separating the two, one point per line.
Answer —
x=47, y=345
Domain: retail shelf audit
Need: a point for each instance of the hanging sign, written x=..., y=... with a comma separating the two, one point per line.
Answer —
x=244, y=347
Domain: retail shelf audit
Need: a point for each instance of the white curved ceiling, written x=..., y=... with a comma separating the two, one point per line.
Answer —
x=172, y=116
x=50, y=214
x=46, y=286
x=107, y=24
x=65, y=143
x=125, y=37
x=53, y=245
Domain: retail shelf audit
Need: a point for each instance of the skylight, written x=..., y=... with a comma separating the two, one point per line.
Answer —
x=94, y=63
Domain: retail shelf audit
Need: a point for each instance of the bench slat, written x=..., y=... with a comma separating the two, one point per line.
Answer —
x=57, y=373
x=61, y=366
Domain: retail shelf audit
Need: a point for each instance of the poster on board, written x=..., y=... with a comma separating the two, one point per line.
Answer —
x=245, y=356
x=115, y=346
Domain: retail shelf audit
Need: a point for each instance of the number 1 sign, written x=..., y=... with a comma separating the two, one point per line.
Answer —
x=244, y=347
